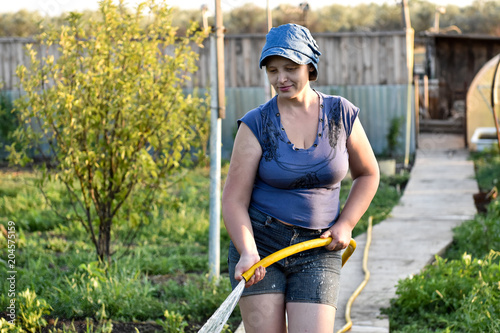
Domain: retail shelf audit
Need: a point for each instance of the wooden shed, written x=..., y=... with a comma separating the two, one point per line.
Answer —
x=453, y=61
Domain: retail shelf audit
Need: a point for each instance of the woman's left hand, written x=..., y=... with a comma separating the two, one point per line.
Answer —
x=341, y=236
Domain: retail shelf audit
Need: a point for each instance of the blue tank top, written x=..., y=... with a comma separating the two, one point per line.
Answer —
x=302, y=186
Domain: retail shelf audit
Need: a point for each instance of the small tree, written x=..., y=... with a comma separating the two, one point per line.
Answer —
x=108, y=117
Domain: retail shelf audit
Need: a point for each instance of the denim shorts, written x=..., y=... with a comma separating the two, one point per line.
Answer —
x=311, y=276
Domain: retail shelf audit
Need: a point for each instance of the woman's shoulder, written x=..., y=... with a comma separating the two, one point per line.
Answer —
x=336, y=101
x=258, y=113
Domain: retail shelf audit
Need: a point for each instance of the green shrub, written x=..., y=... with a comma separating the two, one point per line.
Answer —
x=121, y=292
x=173, y=323
x=450, y=296
x=479, y=235
x=32, y=310
x=7, y=327
x=487, y=168
x=8, y=121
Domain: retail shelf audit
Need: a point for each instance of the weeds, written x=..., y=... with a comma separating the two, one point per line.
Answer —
x=173, y=322
x=450, y=296
x=32, y=310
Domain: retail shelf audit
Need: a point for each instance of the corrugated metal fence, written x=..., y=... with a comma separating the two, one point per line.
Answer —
x=378, y=105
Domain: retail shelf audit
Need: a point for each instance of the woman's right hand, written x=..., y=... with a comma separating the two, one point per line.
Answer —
x=246, y=261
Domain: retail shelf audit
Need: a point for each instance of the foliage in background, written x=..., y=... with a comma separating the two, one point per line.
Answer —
x=393, y=136
x=487, y=168
x=460, y=293
x=109, y=119
x=8, y=121
x=480, y=17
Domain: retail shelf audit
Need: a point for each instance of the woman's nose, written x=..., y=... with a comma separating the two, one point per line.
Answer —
x=282, y=77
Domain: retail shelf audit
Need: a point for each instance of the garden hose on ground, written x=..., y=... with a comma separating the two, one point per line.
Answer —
x=348, y=320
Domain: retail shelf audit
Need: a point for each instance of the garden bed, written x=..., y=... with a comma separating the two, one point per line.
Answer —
x=164, y=268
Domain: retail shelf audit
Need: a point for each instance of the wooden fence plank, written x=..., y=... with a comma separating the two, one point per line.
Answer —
x=347, y=59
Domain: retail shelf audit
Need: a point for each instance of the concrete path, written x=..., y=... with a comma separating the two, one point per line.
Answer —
x=437, y=198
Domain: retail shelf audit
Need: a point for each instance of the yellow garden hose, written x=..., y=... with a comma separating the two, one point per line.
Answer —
x=217, y=321
x=362, y=285
x=288, y=251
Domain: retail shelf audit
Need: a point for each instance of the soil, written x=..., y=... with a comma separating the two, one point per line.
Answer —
x=482, y=200
x=119, y=327
x=80, y=326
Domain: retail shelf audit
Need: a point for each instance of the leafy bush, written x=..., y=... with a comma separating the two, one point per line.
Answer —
x=478, y=236
x=450, y=296
x=93, y=292
x=7, y=327
x=8, y=121
x=173, y=322
x=109, y=119
x=487, y=164
x=32, y=310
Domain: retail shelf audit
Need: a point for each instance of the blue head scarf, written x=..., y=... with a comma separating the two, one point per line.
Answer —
x=294, y=42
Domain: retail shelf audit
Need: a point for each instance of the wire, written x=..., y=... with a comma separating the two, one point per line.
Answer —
x=362, y=285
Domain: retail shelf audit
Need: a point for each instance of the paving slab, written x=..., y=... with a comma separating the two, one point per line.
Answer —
x=437, y=198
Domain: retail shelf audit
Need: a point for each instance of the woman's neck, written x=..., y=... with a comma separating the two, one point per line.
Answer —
x=301, y=103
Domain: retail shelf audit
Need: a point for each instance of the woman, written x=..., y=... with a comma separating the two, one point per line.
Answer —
x=289, y=157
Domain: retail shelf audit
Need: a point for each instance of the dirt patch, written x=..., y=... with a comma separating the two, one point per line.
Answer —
x=81, y=326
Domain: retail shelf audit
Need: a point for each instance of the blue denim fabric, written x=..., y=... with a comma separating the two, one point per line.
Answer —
x=291, y=41
x=312, y=276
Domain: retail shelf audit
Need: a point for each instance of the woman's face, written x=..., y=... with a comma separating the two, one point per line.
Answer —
x=288, y=78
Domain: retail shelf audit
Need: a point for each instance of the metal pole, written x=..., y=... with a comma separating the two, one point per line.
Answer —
x=494, y=100
x=217, y=113
x=416, y=84
x=269, y=91
x=215, y=169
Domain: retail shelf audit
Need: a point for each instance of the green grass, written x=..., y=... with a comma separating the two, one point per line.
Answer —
x=460, y=292
x=161, y=278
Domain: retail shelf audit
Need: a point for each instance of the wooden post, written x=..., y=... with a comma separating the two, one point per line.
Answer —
x=426, y=97
x=269, y=91
x=409, y=65
x=416, y=84
x=219, y=32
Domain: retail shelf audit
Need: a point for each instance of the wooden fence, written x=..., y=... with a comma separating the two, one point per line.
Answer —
x=375, y=58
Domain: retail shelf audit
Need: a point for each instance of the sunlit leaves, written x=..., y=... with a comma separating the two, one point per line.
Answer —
x=108, y=112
